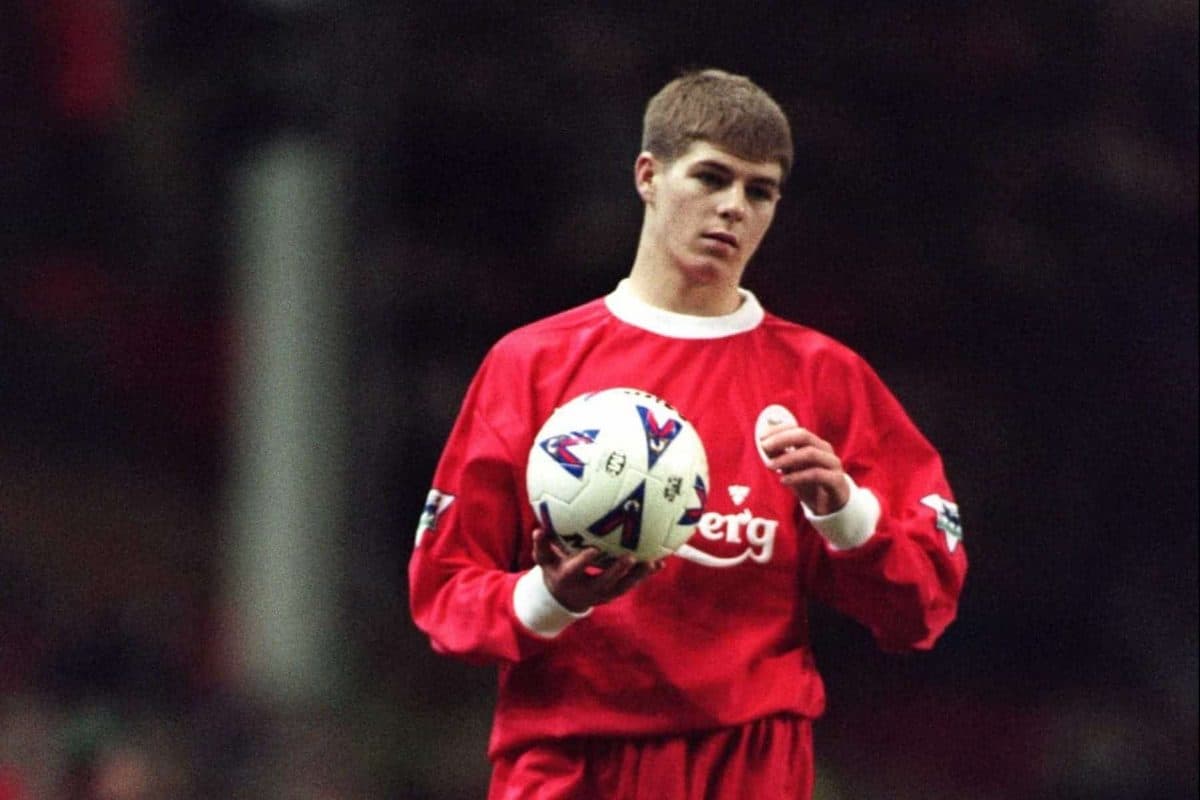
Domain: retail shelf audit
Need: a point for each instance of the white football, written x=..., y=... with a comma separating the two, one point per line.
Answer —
x=620, y=470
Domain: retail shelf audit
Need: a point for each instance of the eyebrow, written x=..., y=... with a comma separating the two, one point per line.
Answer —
x=727, y=170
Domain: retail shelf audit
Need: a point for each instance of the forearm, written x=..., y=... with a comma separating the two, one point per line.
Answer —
x=902, y=583
x=469, y=612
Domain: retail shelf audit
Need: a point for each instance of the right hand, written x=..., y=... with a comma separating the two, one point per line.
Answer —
x=578, y=581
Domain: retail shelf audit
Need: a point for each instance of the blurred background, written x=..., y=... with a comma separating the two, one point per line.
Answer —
x=251, y=252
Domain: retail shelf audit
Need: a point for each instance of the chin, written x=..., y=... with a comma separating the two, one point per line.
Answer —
x=710, y=273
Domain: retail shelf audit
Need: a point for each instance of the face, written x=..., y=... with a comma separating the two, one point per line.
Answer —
x=708, y=211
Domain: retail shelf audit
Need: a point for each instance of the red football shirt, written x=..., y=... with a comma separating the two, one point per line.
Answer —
x=720, y=636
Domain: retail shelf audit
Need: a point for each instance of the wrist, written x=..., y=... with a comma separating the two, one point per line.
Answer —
x=538, y=610
x=852, y=524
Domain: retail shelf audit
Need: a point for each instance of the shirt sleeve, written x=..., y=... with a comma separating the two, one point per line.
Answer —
x=904, y=581
x=472, y=543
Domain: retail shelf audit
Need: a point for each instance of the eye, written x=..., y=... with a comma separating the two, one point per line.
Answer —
x=710, y=179
x=760, y=193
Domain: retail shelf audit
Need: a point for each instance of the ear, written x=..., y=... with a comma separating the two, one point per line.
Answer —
x=645, y=170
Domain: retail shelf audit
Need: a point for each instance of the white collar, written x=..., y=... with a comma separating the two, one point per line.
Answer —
x=629, y=308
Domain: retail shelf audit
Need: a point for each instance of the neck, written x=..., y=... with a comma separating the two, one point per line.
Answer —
x=672, y=287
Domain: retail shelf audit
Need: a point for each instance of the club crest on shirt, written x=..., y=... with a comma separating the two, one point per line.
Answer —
x=658, y=434
x=947, y=520
x=436, y=504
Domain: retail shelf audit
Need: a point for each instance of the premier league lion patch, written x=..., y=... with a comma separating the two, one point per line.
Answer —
x=436, y=504
x=947, y=521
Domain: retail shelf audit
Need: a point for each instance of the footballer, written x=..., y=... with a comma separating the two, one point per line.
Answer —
x=690, y=676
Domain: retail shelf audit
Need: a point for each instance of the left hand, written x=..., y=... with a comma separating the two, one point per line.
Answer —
x=807, y=464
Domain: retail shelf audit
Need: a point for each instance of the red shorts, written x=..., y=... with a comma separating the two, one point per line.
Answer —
x=768, y=759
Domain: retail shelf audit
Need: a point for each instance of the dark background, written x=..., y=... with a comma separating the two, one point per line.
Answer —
x=994, y=203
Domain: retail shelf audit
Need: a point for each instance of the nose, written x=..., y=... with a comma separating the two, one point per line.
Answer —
x=732, y=207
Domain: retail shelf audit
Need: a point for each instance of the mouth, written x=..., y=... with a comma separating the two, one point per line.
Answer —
x=723, y=237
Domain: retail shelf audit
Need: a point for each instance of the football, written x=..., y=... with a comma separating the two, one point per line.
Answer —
x=621, y=470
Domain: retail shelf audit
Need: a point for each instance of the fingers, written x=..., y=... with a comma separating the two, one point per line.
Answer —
x=805, y=458
x=779, y=439
x=606, y=581
x=639, y=573
x=587, y=577
x=823, y=491
x=546, y=551
x=802, y=458
x=808, y=465
x=549, y=553
x=624, y=574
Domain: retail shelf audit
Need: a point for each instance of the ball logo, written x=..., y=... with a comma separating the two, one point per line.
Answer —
x=559, y=448
x=627, y=516
x=573, y=541
x=692, y=515
x=615, y=463
x=658, y=435
x=672, y=488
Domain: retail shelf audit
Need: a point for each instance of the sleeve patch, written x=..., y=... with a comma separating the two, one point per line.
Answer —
x=948, y=521
x=436, y=504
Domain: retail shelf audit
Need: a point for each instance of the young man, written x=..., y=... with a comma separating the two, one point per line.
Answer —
x=690, y=677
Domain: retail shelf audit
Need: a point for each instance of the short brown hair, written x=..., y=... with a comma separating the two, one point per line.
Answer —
x=728, y=111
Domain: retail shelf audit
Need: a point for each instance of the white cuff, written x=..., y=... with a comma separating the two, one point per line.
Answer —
x=538, y=610
x=852, y=524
